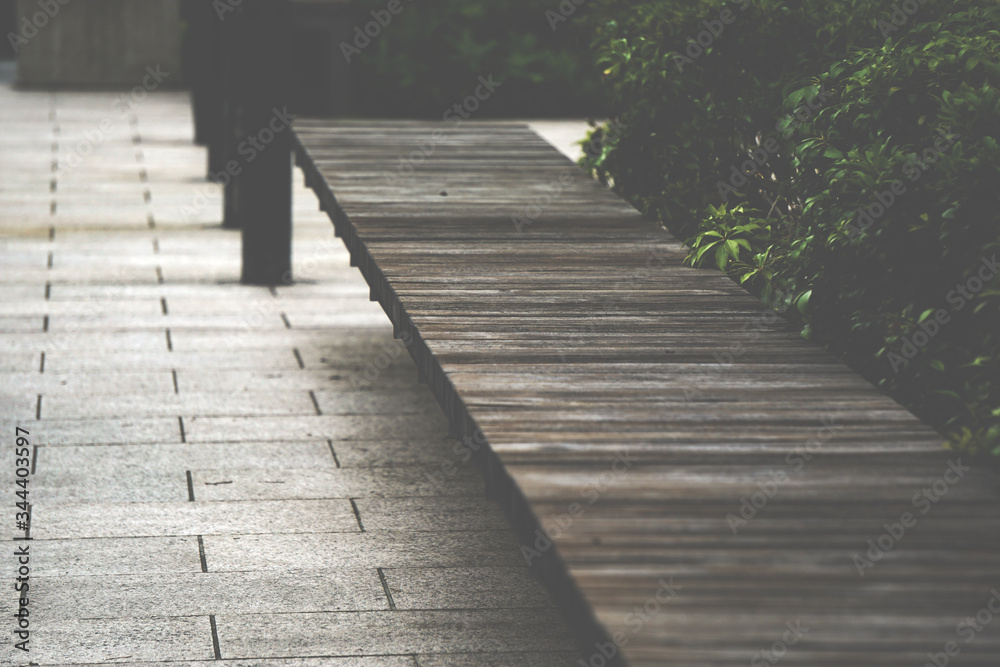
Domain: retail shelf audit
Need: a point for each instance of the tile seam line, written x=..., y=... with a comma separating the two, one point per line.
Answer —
x=377, y=532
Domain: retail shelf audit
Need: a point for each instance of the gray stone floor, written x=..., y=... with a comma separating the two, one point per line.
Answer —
x=221, y=472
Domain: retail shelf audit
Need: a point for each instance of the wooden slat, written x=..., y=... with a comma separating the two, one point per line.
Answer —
x=579, y=339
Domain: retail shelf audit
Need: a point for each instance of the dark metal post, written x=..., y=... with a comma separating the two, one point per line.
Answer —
x=202, y=70
x=233, y=72
x=262, y=165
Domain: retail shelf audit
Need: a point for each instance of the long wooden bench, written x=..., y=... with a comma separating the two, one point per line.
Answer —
x=696, y=484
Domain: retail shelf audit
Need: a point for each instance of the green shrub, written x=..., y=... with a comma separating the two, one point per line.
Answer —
x=689, y=121
x=861, y=102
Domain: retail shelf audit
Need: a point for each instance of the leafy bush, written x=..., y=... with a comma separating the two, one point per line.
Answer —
x=868, y=199
x=430, y=55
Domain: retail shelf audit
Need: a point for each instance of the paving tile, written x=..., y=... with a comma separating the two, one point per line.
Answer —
x=369, y=633
x=92, y=342
x=96, y=272
x=20, y=362
x=376, y=360
x=23, y=323
x=121, y=212
x=144, y=555
x=465, y=588
x=214, y=404
x=19, y=292
x=320, y=320
x=132, y=486
x=431, y=513
x=361, y=308
x=124, y=292
x=410, y=400
x=276, y=381
x=55, y=433
x=158, y=458
x=235, y=484
x=87, y=384
x=358, y=550
x=113, y=640
x=105, y=305
x=387, y=453
x=201, y=594
x=155, y=321
x=74, y=361
x=358, y=344
x=20, y=406
x=335, y=427
x=192, y=518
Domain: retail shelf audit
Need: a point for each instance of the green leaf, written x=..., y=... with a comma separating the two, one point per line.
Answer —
x=803, y=301
x=721, y=257
x=697, y=257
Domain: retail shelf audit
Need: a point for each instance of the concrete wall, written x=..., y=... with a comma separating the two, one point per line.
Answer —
x=97, y=42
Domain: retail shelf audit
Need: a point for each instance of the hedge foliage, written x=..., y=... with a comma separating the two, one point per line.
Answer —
x=430, y=55
x=840, y=157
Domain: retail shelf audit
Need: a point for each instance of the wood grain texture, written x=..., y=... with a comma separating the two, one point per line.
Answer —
x=631, y=407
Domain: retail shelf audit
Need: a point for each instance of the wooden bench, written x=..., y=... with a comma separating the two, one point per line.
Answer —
x=658, y=422
x=695, y=484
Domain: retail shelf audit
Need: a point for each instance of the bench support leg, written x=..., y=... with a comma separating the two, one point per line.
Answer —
x=232, y=81
x=263, y=188
x=202, y=69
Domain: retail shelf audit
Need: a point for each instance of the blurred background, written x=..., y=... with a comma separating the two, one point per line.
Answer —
x=429, y=58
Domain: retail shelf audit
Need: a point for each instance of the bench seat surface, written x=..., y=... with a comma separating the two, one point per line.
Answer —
x=655, y=419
